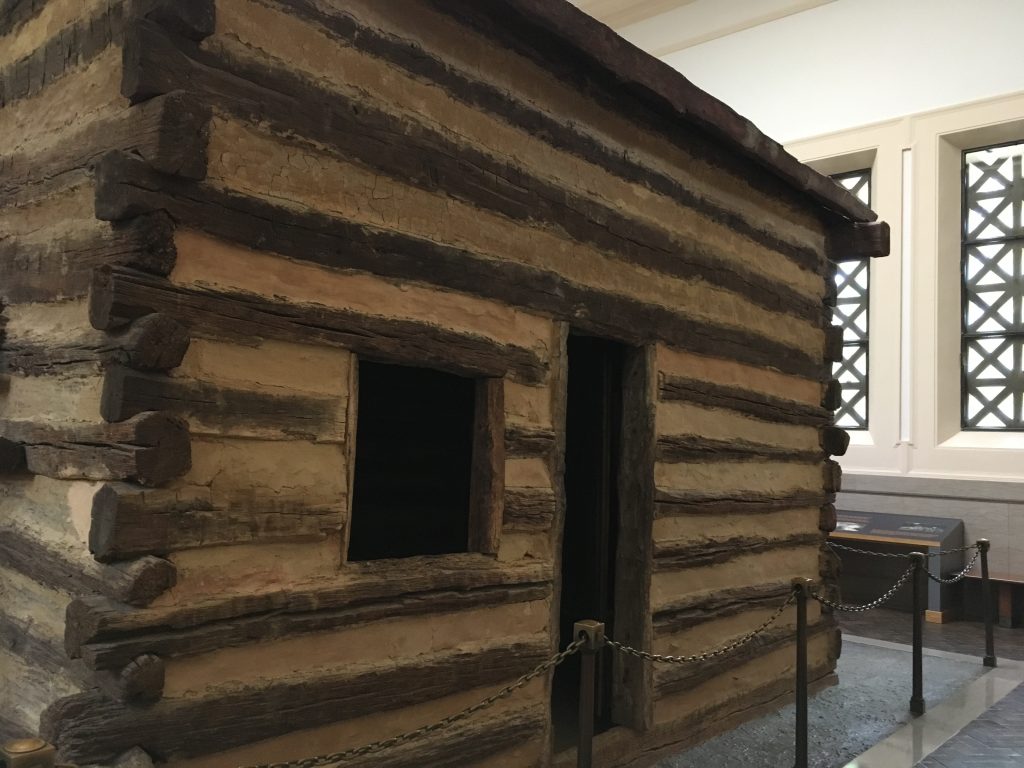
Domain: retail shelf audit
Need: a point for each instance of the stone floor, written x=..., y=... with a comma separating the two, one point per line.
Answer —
x=994, y=740
x=957, y=637
x=870, y=703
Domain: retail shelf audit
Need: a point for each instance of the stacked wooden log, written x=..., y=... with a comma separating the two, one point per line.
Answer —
x=209, y=212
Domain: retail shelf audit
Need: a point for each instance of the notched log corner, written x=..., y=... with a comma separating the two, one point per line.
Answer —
x=150, y=449
x=136, y=582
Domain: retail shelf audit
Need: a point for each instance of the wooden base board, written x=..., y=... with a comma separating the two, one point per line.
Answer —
x=940, y=617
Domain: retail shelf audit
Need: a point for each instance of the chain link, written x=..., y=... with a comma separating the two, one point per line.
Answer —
x=402, y=738
x=937, y=553
x=867, y=606
x=698, y=657
x=960, y=576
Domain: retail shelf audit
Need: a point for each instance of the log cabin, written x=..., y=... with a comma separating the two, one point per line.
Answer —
x=354, y=350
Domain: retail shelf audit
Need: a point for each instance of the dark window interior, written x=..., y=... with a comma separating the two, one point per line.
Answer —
x=414, y=448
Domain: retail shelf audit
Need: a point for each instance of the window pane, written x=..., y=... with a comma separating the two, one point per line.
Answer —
x=851, y=314
x=992, y=288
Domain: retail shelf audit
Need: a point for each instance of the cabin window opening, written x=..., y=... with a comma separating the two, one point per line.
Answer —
x=413, y=463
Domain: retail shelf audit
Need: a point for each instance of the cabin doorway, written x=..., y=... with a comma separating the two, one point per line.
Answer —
x=594, y=413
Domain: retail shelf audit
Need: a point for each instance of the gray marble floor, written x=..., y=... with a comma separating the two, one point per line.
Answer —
x=869, y=703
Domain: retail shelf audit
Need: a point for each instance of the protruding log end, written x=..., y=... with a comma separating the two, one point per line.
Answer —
x=141, y=681
x=144, y=579
x=168, y=448
x=834, y=440
x=832, y=477
x=156, y=342
x=832, y=397
x=12, y=457
x=827, y=518
x=833, y=344
x=860, y=240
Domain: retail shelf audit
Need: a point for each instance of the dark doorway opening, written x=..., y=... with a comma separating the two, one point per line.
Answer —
x=414, y=451
x=592, y=516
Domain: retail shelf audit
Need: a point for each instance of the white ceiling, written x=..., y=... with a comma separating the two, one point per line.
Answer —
x=662, y=27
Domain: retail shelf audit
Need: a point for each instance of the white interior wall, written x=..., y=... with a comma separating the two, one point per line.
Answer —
x=855, y=62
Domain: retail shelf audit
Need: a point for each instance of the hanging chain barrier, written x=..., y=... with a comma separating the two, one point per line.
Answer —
x=590, y=639
x=960, y=576
x=709, y=654
x=904, y=555
x=402, y=738
x=886, y=597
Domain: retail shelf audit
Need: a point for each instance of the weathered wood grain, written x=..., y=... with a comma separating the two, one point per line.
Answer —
x=677, y=556
x=98, y=620
x=670, y=503
x=169, y=132
x=691, y=611
x=140, y=681
x=136, y=582
x=694, y=448
x=529, y=509
x=68, y=49
x=62, y=267
x=126, y=188
x=508, y=106
x=679, y=678
x=218, y=409
x=130, y=521
x=460, y=745
x=193, y=19
x=88, y=728
x=170, y=643
x=585, y=53
x=431, y=161
x=634, y=549
x=765, y=407
x=154, y=342
x=523, y=442
x=16, y=13
x=151, y=449
x=487, y=482
x=848, y=241
x=120, y=295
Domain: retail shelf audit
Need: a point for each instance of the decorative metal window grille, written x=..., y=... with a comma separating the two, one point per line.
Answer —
x=992, y=291
x=851, y=314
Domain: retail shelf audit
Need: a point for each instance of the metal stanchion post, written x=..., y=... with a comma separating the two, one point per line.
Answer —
x=593, y=633
x=801, y=587
x=986, y=602
x=920, y=590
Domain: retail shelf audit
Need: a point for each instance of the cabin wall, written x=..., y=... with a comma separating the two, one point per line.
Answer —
x=297, y=186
